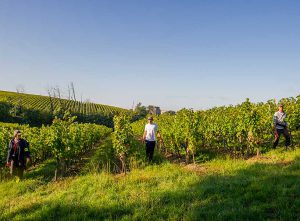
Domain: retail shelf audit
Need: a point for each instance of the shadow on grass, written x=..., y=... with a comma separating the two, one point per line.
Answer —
x=103, y=160
x=60, y=211
x=258, y=192
x=44, y=171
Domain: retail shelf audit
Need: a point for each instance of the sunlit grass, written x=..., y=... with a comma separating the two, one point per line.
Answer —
x=225, y=189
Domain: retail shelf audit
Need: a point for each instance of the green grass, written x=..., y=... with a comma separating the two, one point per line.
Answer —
x=105, y=158
x=265, y=188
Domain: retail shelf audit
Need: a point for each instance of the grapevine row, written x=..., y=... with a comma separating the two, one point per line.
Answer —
x=244, y=128
x=43, y=103
x=64, y=139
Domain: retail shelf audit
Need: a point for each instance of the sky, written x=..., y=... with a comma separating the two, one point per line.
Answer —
x=169, y=53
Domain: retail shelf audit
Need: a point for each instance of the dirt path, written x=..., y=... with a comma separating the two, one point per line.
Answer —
x=79, y=163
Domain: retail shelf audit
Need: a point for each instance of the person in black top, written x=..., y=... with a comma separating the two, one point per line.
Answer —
x=281, y=127
x=18, y=155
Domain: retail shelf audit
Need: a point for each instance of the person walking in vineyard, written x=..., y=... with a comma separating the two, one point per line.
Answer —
x=280, y=127
x=18, y=155
x=149, y=137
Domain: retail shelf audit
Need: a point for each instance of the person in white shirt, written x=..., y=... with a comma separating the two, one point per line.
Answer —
x=280, y=127
x=149, y=137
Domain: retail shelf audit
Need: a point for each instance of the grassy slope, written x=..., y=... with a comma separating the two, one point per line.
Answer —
x=222, y=189
x=40, y=102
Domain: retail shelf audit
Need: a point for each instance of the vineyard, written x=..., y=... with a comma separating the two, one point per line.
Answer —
x=221, y=178
x=44, y=103
x=244, y=129
x=37, y=110
x=64, y=140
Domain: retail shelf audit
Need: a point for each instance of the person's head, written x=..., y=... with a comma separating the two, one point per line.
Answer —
x=150, y=119
x=280, y=107
x=17, y=134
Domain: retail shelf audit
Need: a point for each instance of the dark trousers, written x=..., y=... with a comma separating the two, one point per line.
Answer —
x=16, y=170
x=286, y=136
x=150, y=145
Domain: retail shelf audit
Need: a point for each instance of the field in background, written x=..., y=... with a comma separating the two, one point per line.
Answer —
x=43, y=103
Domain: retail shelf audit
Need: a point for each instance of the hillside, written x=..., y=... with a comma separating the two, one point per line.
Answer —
x=43, y=103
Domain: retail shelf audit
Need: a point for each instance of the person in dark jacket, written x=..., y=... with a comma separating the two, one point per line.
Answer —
x=18, y=155
x=281, y=127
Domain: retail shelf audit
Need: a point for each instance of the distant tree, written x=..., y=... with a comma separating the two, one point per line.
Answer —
x=154, y=110
x=170, y=112
x=69, y=92
x=72, y=88
x=20, y=88
x=157, y=110
x=139, y=112
x=151, y=110
x=49, y=92
x=58, y=94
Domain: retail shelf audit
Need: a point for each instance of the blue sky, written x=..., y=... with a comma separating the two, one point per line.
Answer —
x=174, y=54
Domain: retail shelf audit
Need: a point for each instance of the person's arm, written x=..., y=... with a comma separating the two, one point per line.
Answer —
x=284, y=120
x=160, y=138
x=274, y=122
x=158, y=133
x=144, y=135
x=277, y=122
x=10, y=147
x=26, y=149
x=27, y=154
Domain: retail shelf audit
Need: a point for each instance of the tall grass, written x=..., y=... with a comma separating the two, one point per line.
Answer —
x=266, y=188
